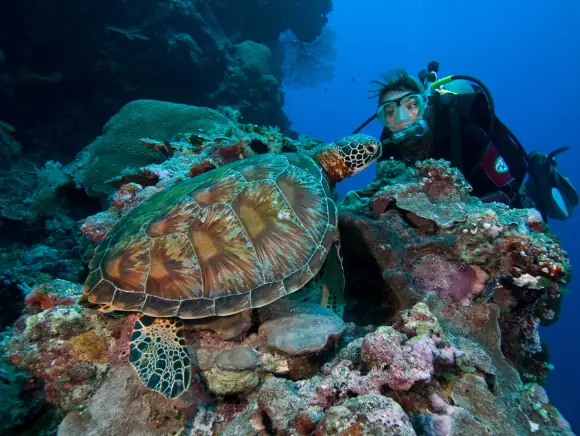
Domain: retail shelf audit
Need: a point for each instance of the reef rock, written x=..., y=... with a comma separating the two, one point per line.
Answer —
x=218, y=53
x=440, y=332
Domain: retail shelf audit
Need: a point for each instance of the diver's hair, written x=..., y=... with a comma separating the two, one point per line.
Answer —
x=396, y=79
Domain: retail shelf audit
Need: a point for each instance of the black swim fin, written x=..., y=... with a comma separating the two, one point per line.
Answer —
x=551, y=191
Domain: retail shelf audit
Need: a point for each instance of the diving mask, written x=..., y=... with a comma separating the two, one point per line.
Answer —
x=408, y=107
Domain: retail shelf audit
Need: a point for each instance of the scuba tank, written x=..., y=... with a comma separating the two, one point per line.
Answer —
x=429, y=75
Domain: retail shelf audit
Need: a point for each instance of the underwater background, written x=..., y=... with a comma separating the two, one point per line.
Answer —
x=527, y=53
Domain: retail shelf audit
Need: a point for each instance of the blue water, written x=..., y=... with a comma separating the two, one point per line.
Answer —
x=527, y=53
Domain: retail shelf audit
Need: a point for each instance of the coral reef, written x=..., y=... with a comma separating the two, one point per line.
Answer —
x=18, y=177
x=22, y=402
x=184, y=51
x=163, y=144
x=118, y=147
x=444, y=298
x=251, y=81
x=57, y=223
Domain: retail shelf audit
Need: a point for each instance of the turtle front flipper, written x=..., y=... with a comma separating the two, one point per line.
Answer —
x=159, y=355
x=333, y=281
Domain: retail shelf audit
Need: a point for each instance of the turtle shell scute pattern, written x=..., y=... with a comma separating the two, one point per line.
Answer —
x=238, y=237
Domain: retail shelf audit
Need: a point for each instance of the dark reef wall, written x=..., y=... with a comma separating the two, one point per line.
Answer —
x=305, y=18
x=65, y=67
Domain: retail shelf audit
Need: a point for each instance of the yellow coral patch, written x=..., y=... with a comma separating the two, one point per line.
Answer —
x=88, y=347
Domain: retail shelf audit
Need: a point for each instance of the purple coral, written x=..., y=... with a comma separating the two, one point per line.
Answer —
x=449, y=279
x=405, y=363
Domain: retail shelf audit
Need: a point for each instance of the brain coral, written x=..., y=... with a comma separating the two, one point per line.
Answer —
x=118, y=147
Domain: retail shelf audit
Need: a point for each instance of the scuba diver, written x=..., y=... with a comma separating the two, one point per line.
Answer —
x=454, y=118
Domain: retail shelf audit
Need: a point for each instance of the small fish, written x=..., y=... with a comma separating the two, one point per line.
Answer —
x=353, y=78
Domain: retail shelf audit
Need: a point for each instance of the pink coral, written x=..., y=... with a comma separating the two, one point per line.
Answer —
x=381, y=347
x=449, y=279
x=441, y=181
x=125, y=198
x=97, y=226
x=439, y=404
x=437, y=425
x=50, y=294
x=406, y=363
x=433, y=195
x=121, y=347
x=534, y=220
x=156, y=171
x=38, y=300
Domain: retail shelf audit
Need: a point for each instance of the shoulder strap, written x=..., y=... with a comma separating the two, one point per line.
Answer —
x=455, y=136
x=458, y=106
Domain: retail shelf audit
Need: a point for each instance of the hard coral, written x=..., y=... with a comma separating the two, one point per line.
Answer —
x=48, y=295
x=366, y=414
x=120, y=407
x=124, y=198
x=300, y=329
x=460, y=283
x=417, y=321
x=201, y=168
x=441, y=182
x=193, y=154
x=96, y=226
x=88, y=347
x=229, y=371
x=406, y=363
x=457, y=248
x=64, y=346
x=280, y=401
x=238, y=359
x=457, y=299
x=81, y=372
x=104, y=159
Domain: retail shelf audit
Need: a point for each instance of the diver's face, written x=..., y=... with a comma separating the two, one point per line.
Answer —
x=402, y=112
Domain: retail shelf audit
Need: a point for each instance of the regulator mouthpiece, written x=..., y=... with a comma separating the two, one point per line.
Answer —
x=415, y=130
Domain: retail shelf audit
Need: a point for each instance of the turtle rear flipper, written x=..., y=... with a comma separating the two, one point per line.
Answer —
x=333, y=281
x=159, y=355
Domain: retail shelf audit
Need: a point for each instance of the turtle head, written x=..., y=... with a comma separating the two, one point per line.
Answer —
x=347, y=156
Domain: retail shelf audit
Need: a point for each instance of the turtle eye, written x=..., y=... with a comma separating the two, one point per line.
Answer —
x=370, y=149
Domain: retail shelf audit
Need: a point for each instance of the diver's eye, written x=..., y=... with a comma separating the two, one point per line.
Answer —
x=370, y=148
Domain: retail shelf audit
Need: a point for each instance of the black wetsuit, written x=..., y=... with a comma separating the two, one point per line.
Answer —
x=495, y=168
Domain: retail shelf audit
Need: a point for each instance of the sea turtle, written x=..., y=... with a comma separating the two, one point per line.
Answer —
x=235, y=238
